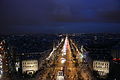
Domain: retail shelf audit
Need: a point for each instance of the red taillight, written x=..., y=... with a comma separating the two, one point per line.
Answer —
x=116, y=59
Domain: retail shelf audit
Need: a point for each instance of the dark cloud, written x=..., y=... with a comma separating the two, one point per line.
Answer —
x=111, y=16
x=45, y=12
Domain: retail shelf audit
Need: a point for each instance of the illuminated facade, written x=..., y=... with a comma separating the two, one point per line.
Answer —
x=102, y=67
x=4, y=66
x=29, y=66
x=1, y=66
x=17, y=66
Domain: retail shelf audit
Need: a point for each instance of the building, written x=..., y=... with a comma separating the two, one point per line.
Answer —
x=17, y=66
x=29, y=66
x=1, y=66
x=102, y=67
x=115, y=52
x=4, y=60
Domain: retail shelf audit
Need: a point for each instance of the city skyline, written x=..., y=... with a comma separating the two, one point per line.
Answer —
x=60, y=57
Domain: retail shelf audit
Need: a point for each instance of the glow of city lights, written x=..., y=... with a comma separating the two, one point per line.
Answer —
x=81, y=56
x=0, y=76
x=51, y=54
x=64, y=47
x=63, y=60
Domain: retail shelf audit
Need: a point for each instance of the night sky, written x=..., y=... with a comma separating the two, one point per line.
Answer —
x=56, y=16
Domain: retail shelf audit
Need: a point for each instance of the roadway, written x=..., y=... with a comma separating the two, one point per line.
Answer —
x=64, y=58
x=70, y=69
x=68, y=66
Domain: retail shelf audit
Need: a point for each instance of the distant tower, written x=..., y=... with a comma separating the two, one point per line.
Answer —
x=4, y=66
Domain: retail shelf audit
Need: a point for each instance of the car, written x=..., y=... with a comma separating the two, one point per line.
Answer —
x=60, y=75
